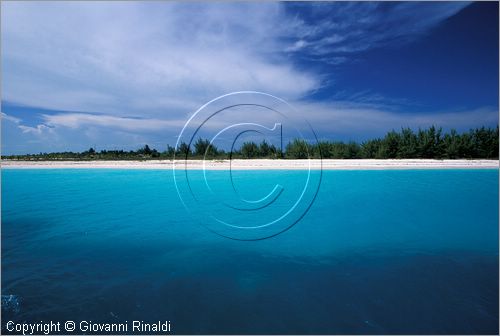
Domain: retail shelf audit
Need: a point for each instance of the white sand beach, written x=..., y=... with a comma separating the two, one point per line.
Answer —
x=261, y=164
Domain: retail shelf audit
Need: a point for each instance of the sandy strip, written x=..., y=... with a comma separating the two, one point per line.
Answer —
x=261, y=164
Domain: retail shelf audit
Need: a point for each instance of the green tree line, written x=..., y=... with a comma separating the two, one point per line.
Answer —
x=430, y=143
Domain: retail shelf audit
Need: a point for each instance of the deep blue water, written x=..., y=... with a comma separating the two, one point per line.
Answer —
x=378, y=252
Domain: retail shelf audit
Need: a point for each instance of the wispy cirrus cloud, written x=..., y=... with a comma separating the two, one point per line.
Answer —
x=331, y=29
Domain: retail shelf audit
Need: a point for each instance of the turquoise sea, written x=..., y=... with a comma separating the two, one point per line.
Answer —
x=378, y=252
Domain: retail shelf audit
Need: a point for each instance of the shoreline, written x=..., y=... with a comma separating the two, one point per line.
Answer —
x=260, y=164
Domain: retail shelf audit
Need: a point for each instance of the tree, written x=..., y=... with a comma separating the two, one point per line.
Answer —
x=430, y=143
x=264, y=149
x=204, y=148
x=452, y=145
x=338, y=150
x=352, y=150
x=200, y=147
x=324, y=149
x=183, y=150
x=484, y=142
x=408, y=144
x=392, y=142
x=249, y=150
x=495, y=143
x=274, y=152
x=370, y=148
x=146, y=150
x=466, y=146
x=297, y=149
x=426, y=143
x=170, y=151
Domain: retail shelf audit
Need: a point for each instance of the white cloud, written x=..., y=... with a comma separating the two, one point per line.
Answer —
x=299, y=45
x=38, y=130
x=146, y=58
x=10, y=118
x=346, y=120
x=82, y=120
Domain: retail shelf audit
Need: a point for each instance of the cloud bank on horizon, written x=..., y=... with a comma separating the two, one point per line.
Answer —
x=122, y=74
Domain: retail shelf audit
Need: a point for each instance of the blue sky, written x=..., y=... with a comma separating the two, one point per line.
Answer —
x=122, y=74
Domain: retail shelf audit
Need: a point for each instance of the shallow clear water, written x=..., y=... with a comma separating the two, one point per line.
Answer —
x=378, y=252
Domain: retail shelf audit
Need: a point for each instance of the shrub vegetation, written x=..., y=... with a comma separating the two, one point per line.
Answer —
x=431, y=143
